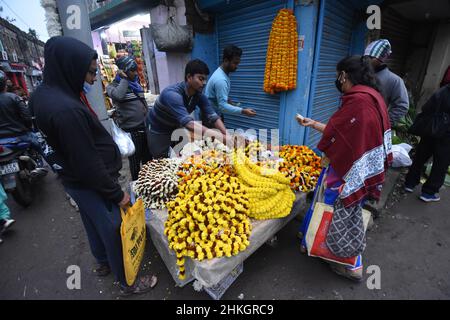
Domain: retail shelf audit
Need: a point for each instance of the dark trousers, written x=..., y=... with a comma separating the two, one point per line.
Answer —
x=142, y=154
x=439, y=149
x=102, y=221
x=159, y=145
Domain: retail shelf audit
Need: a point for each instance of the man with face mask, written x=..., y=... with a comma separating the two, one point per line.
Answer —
x=87, y=155
x=219, y=85
x=131, y=110
x=391, y=85
x=174, y=107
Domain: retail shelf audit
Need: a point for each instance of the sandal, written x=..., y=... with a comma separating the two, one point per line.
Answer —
x=355, y=275
x=141, y=285
x=102, y=270
x=303, y=250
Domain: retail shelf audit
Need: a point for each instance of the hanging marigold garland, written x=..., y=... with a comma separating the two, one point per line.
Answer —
x=281, y=61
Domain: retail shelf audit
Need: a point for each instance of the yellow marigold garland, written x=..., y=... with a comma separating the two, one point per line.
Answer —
x=208, y=219
x=270, y=196
x=282, y=59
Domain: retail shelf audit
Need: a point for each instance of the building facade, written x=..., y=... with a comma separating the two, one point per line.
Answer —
x=22, y=57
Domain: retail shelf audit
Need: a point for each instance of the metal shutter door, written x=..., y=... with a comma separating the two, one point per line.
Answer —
x=334, y=40
x=248, y=27
x=398, y=31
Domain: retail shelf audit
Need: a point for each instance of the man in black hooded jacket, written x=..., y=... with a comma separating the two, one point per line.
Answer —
x=87, y=157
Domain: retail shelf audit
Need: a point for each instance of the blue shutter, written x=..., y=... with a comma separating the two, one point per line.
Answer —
x=333, y=44
x=247, y=24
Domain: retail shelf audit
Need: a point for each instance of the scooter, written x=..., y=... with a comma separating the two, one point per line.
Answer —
x=20, y=169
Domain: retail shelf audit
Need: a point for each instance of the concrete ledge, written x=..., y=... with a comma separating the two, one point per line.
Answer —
x=392, y=176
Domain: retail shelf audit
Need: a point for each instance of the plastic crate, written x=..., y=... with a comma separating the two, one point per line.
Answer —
x=216, y=292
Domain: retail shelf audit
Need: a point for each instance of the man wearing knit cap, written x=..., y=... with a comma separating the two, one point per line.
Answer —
x=131, y=110
x=391, y=85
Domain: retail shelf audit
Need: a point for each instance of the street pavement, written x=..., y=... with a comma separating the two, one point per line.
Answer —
x=409, y=243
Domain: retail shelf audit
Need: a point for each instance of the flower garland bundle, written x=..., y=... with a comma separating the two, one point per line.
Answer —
x=208, y=219
x=269, y=193
x=301, y=165
x=281, y=61
x=209, y=161
x=158, y=183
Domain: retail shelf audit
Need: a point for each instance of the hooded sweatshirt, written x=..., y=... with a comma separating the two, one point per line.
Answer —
x=83, y=148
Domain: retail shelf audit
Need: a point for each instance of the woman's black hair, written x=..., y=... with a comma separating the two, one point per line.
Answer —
x=359, y=71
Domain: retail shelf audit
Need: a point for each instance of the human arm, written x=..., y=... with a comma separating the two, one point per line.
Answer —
x=24, y=111
x=307, y=122
x=399, y=103
x=222, y=90
x=73, y=128
x=117, y=92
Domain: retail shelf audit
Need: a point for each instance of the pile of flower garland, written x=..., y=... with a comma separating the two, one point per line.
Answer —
x=208, y=219
x=281, y=61
x=158, y=183
x=209, y=161
x=301, y=165
x=268, y=190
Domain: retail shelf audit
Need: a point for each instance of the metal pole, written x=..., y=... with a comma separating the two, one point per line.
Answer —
x=74, y=17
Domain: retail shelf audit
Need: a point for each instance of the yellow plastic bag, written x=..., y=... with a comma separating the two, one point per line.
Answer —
x=133, y=233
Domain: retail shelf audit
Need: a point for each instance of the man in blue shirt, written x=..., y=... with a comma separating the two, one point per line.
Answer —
x=173, y=109
x=218, y=88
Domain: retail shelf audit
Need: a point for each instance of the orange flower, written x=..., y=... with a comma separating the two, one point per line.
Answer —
x=281, y=58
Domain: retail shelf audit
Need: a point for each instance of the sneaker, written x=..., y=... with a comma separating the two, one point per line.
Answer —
x=102, y=270
x=355, y=275
x=6, y=224
x=430, y=197
x=141, y=285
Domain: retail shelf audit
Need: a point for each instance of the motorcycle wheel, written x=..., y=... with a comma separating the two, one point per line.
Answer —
x=22, y=194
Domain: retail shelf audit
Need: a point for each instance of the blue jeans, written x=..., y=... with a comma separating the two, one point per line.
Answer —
x=102, y=221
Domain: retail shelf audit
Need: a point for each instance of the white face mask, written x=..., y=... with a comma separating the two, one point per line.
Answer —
x=87, y=87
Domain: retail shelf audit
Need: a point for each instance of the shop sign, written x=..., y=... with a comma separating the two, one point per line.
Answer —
x=129, y=33
x=301, y=42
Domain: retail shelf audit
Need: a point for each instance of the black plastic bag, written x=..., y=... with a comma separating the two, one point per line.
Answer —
x=172, y=37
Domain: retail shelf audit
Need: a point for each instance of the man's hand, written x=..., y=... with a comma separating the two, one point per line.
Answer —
x=125, y=201
x=249, y=112
x=122, y=74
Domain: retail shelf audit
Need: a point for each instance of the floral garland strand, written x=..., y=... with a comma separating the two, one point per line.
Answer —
x=301, y=165
x=208, y=219
x=281, y=59
x=270, y=196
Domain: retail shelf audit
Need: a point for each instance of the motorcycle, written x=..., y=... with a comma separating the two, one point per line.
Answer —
x=20, y=167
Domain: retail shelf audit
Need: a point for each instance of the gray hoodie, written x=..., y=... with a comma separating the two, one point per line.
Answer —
x=394, y=93
x=131, y=108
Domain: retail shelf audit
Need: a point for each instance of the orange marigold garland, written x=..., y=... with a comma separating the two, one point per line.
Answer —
x=301, y=165
x=281, y=61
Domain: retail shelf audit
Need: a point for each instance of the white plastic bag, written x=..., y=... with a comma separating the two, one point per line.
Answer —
x=123, y=141
x=401, y=156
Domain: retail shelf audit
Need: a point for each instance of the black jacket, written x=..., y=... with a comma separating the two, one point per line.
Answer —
x=15, y=118
x=439, y=101
x=84, y=149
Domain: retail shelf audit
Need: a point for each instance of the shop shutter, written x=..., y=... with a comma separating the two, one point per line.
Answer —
x=333, y=44
x=398, y=31
x=247, y=24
